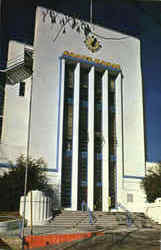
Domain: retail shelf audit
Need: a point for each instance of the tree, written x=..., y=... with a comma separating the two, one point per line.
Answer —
x=152, y=183
x=12, y=182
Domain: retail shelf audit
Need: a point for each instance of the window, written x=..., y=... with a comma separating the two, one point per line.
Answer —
x=129, y=197
x=84, y=84
x=84, y=155
x=84, y=103
x=99, y=156
x=69, y=76
x=2, y=95
x=99, y=106
x=68, y=153
x=69, y=100
x=22, y=89
x=112, y=108
x=1, y=123
x=112, y=157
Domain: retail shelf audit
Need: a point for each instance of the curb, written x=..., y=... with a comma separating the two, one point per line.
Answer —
x=33, y=241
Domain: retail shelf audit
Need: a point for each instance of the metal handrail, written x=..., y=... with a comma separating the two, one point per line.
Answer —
x=129, y=216
x=14, y=218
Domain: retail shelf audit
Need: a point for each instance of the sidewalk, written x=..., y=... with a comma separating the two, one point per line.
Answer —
x=132, y=240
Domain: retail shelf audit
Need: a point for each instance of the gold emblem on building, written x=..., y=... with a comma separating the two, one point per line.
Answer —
x=92, y=43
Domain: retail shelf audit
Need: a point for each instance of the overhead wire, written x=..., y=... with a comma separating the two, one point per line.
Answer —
x=110, y=38
x=97, y=35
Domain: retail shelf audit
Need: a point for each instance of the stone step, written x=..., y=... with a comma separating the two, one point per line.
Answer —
x=99, y=212
x=79, y=219
x=84, y=218
x=84, y=222
x=100, y=220
x=97, y=219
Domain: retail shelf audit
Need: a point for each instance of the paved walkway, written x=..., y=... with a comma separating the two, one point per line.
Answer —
x=53, y=233
x=109, y=237
x=141, y=239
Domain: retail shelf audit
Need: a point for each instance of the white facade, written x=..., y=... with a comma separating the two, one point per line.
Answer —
x=15, y=125
x=48, y=107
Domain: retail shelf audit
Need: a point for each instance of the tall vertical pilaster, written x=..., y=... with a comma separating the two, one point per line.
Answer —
x=105, y=143
x=61, y=115
x=75, y=142
x=90, y=199
x=119, y=149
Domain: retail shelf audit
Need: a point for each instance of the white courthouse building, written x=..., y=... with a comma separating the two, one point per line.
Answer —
x=86, y=112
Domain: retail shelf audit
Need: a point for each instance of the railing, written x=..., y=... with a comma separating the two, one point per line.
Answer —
x=92, y=219
x=10, y=223
x=129, y=217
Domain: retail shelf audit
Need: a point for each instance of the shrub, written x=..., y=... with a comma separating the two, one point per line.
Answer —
x=152, y=183
x=12, y=182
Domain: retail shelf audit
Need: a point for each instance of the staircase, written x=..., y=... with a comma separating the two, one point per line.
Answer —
x=101, y=221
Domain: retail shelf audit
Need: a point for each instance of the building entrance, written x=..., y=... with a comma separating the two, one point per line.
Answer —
x=90, y=98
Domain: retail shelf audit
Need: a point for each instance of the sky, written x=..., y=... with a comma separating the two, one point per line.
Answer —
x=142, y=21
x=151, y=73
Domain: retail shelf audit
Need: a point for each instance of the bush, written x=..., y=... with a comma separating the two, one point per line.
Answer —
x=152, y=183
x=12, y=182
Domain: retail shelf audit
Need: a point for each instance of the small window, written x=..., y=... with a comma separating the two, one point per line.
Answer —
x=68, y=153
x=69, y=100
x=22, y=89
x=99, y=106
x=112, y=157
x=83, y=183
x=99, y=156
x=129, y=197
x=112, y=109
x=84, y=155
x=68, y=146
x=84, y=103
x=1, y=123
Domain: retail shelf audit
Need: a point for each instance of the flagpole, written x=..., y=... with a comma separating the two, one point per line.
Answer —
x=27, y=163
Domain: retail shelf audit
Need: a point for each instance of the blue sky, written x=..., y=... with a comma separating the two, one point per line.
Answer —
x=117, y=15
x=151, y=66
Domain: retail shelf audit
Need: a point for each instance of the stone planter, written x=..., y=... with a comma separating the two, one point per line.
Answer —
x=39, y=205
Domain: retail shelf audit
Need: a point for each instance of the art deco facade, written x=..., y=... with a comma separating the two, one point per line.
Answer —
x=86, y=117
x=87, y=154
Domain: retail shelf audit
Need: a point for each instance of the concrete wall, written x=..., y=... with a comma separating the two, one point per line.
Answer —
x=46, y=79
x=15, y=53
x=153, y=210
x=139, y=203
x=46, y=91
x=133, y=197
x=15, y=122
